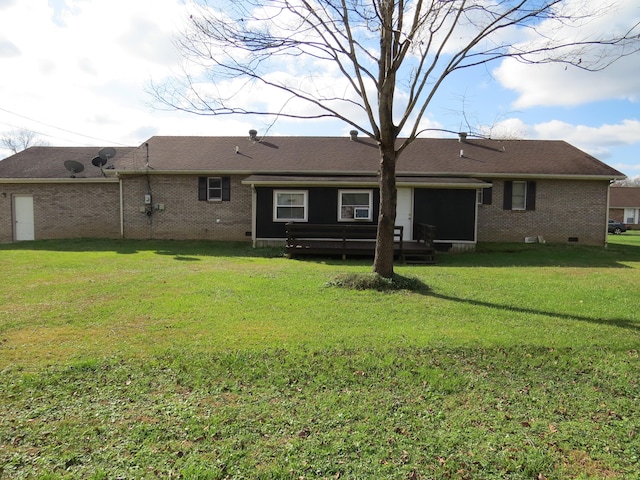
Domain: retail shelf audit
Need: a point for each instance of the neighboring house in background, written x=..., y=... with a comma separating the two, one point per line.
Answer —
x=248, y=188
x=624, y=206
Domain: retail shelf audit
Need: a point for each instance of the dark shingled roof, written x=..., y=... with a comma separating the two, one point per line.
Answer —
x=340, y=155
x=624, y=197
x=318, y=156
x=48, y=162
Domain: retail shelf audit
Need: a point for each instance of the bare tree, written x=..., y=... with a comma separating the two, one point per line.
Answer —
x=17, y=140
x=375, y=64
x=628, y=182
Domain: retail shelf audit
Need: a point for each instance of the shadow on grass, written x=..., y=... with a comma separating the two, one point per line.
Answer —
x=620, y=250
x=181, y=250
x=615, y=322
x=545, y=255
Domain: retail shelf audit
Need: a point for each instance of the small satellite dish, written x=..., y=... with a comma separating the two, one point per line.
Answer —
x=107, y=153
x=99, y=162
x=73, y=166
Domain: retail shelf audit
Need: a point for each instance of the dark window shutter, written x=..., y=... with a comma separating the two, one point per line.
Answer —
x=531, y=195
x=202, y=188
x=226, y=189
x=487, y=196
x=508, y=191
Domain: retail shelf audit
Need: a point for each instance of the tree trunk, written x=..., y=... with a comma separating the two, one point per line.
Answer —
x=383, y=260
x=387, y=134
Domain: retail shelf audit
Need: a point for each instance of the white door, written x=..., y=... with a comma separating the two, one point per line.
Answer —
x=23, y=211
x=404, y=212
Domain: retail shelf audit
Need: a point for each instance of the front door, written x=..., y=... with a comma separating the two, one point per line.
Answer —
x=23, y=215
x=404, y=212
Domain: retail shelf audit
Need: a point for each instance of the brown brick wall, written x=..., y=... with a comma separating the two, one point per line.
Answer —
x=65, y=210
x=564, y=209
x=616, y=214
x=184, y=216
x=6, y=214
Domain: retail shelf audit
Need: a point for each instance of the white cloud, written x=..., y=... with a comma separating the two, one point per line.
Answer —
x=627, y=132
x=84, y=66
x=560, y=84
x=75, y=63
x=598, y=141
x=555, y=84
x=8, y=48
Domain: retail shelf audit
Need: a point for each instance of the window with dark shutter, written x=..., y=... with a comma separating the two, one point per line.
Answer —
x=487, y=196
x=202, y=188
x=508, y=189
x=531, y=196
x=214, y=189
x=226, y=189
x=519, y=195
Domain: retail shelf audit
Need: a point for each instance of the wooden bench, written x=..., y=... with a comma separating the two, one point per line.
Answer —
x=337, y=239
x=356, y=239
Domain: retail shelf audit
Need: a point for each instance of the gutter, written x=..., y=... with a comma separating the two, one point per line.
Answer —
x=121, y=209
x=56, y=180
x=353, y=182
x=510, y=175
x=532, y=176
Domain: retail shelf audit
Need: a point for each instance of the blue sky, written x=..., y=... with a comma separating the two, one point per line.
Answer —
x=76, y=72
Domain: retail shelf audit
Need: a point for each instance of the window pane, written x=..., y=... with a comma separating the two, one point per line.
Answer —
x=215, y=188
x=346, y=212
x=353, y=198
x=518, y=196
x=291, y=212
x=355, y=205
x=291, y=199
x=290, y=205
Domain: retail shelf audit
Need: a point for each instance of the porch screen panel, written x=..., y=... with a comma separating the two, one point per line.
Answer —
x=452, y=212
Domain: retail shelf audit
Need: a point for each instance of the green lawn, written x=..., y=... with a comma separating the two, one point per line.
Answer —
x=159, y=359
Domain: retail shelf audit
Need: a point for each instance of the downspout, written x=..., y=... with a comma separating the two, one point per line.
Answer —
x=254, y=216
x=606, y=220
x=475, y=226
x=121, y=208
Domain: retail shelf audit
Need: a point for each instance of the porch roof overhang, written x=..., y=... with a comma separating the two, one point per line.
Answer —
x=362, y=181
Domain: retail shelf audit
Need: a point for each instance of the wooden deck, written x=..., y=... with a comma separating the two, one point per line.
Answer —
x=357, y=240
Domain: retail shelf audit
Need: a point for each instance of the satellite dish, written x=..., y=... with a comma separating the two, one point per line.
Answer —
x=99, y=162
x=107, y=153
x=73, y=166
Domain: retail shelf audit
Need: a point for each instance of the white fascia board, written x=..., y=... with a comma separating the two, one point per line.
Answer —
x=212, y=173
x=56, y=180
x=323, y=183
x=532, y=176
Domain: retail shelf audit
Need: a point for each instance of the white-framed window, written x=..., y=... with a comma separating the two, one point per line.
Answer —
x=519, y=196
x=214, y=189
x=355, y=205
x=631, y=215
x=290, y=205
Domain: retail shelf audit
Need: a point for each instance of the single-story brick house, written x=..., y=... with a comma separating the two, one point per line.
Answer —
x=624, y=206
x=247, y=188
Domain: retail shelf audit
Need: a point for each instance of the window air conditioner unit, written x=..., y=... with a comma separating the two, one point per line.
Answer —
x=361, y=213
